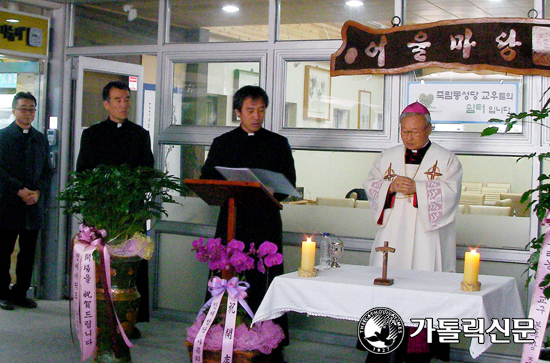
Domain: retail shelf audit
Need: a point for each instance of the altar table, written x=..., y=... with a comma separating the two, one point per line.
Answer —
x=348, y=292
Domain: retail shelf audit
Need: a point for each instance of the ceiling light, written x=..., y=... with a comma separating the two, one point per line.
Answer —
x=354, y=3
x=12, y=20
x=132, y=12
x=230, y=8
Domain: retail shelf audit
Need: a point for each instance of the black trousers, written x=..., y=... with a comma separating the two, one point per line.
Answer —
x=25, y=261
x=142, y=282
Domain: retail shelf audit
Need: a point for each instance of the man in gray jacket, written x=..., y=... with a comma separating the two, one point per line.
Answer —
x=25, y=176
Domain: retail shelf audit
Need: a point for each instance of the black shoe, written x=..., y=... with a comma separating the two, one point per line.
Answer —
x=277, y=355
x=25, y=303
x=134, y=334
x=6, y=305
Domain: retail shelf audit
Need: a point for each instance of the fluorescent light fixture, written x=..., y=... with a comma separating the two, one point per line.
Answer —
x=12, y=20
x=230, y=8
x=354, y=3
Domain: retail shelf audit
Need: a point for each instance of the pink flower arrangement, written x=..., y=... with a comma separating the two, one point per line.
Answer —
x=263, y=336
x=221, y=257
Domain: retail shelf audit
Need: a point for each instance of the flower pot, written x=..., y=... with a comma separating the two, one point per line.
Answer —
x=238, y=356
x=110, y=344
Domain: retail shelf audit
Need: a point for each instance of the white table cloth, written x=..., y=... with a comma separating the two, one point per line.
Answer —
x=348, y=292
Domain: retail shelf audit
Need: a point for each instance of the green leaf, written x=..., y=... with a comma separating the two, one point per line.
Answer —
x=489, y=130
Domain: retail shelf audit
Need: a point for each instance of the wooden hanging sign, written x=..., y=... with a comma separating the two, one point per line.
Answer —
x=512, y=45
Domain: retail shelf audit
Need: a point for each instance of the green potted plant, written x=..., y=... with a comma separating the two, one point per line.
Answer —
x=541, y=206
x=119, y=199
x=113, y=203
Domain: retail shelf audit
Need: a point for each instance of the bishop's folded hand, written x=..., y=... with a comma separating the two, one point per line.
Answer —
x=404, y=185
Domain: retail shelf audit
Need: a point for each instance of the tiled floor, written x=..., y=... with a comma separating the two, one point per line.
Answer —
x=43, y=335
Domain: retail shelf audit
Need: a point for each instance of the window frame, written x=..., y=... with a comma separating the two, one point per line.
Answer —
x=325, y=139
x=191, y=134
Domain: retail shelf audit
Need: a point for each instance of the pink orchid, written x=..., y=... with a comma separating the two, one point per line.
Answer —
x=261, y=266
x=273, y=259
x=267, y=248
x=235, y=245
x=221, y=257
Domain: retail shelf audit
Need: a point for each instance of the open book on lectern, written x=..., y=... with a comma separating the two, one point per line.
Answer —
x=270, y=179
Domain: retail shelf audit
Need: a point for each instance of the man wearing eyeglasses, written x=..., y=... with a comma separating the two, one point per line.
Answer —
x=25, y=176
x=414, y=191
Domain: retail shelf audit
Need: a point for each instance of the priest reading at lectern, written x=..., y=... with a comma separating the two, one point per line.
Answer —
x=414, y=191
x=252, y=146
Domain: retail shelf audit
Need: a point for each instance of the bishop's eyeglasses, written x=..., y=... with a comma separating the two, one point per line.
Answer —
x=415, y=133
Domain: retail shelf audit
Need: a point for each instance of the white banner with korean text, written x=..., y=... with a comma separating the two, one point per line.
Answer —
x=465, y=102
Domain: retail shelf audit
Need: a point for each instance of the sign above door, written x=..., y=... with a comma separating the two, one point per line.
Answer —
x=512, y=45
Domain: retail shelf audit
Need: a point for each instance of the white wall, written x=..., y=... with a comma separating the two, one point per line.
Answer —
x=331, y=173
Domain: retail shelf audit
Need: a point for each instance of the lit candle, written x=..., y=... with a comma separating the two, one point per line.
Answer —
x=308, y=255
x=471, y=267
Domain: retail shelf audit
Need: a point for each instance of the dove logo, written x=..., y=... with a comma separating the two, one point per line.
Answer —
x=381, y=330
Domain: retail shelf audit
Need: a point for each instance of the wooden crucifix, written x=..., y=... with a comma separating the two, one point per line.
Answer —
x=384, y=280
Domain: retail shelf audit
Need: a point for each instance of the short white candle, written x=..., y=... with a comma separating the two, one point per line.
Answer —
x=471, y=267
x=308, y=255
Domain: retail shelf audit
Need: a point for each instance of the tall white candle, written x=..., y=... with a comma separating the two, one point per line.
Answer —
x=308, y=255
x=471, y=267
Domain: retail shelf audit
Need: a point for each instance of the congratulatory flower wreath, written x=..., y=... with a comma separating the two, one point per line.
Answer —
x=218, y=325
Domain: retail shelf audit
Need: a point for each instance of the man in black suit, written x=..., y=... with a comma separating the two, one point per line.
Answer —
x=252, y=146
x=25, y=176
x=118, y=141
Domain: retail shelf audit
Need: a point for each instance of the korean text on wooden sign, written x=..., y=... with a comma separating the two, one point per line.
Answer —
x=514, y=45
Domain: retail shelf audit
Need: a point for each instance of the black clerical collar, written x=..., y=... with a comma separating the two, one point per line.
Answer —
x=415, y=157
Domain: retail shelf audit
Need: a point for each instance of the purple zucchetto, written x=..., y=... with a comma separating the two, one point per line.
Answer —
x=416, y=107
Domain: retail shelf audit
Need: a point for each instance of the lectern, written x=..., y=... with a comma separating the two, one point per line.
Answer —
x=244, y=194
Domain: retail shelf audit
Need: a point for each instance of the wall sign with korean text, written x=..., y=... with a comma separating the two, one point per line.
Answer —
x=24, y=34
x=465, y=102
x=513, y=45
